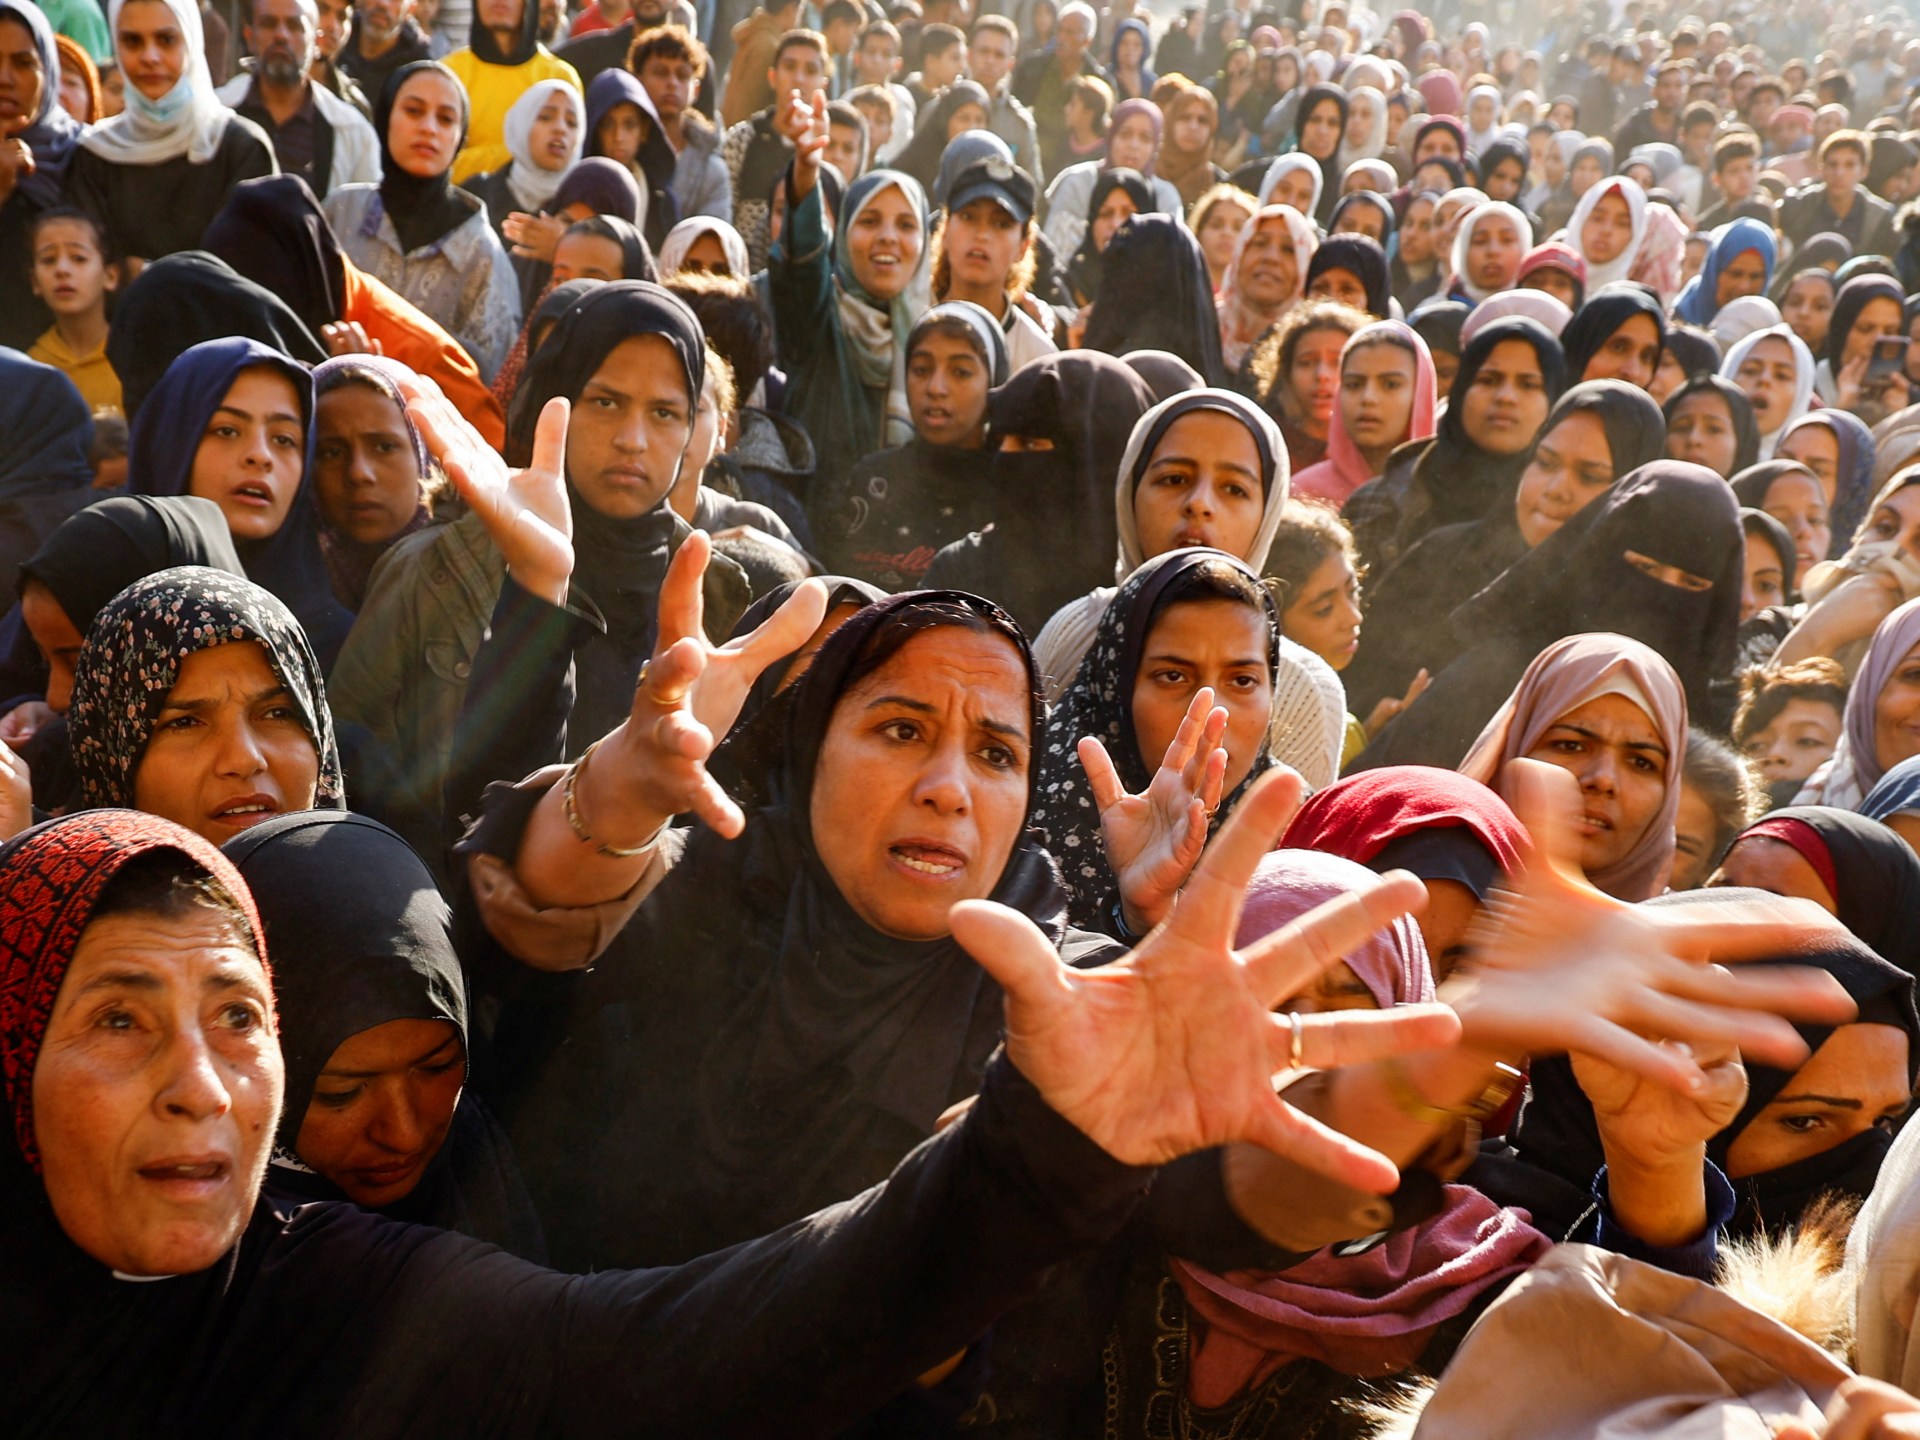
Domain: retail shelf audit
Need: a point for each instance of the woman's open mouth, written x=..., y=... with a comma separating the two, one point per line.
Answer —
x=927, y=858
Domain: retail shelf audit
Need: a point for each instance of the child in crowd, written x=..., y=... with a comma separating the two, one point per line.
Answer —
x=73, y=273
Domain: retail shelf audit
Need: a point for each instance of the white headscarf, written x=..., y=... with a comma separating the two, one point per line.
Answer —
x=1478, y=140
x=532, y=185
x=188, y=120
x=1376, y=142
x=1802, y=378
x=1463, y=239
x=1618, y=267
x=1737, y=319
x=1286, y=164
x=681, y=239
x=1152, y=427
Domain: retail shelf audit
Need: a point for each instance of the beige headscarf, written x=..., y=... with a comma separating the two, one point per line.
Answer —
x=1566, y=675
x=1883, y=1266
x=1589, y=1345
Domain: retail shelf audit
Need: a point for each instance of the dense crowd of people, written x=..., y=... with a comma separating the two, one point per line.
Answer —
x=902, y=719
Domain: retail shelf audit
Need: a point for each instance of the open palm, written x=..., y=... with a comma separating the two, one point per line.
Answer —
x=1175, y=1047
x=1154, y=839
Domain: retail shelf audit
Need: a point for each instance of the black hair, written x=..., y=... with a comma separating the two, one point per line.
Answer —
x=102, y=241
x=768, y=563
x=1721, y=776
x=171, y=885
x=1211, y=580
x=735, y=326
x=890, y=637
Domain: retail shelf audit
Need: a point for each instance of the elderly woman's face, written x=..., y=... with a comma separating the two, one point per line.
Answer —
x=1219, y=643
x=1855, y=1082
x=156, y=1091
x=920, y=789
x=228, y=749
x=1612, y=747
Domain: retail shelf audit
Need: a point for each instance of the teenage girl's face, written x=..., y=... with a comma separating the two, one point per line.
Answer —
x=1572, y=466
x=1320, y=131
x=1769, y=377
x=1585, y=174
x=1314, y=377
x=1808, y=309
x=252, y=453
x=1220, y=232
x=365, y=477
x=1701, y=433
x=425, y=129
x=1507, y=403
x=983, y=243
x=150, y=46
x=706, y=256
x=1763, y=585
x=1339, y=284
x=620, y=133
x=1202, y=487
x=1416, y=233
x=1362, y=220
x=1294, y=189
x=1114, y=211
x=885, y=243
x=947, y=386
x=1608, y=231
x=1493, y=253
x=1799, y=502
x=555, y=133
x=1896, y=713
x=630, y=426
x=1376, y=394
x=1612, y=747
x=1219, y=643
x=585, y=256
x=1817, y=448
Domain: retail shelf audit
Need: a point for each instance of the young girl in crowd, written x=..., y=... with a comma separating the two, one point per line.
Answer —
x=1387, y=388
x=1296, y=370
x=73, y=274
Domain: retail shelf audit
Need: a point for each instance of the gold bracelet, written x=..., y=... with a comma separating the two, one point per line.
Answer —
x=1415, y=1106
x=570, y=808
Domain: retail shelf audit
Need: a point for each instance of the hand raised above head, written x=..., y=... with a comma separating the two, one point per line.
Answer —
x=526, y=512
x=1175, y=1048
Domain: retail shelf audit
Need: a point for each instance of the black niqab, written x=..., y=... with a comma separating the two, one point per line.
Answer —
x=1155, y=294
x=1060, y=533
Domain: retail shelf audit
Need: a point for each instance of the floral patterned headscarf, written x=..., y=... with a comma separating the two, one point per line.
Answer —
x=132, y=657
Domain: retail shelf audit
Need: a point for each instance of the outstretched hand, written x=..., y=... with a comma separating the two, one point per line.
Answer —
x=1175, y=1047
x=1154, y=839
x=1556, y=965
x=691, y=693
x=525, y=512
x=801, y=121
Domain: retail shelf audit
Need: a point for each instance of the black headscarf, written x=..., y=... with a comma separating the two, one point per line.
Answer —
x=782, y=1052
x=1604, y=312
x=1746, y=430
x=343, y=968
x=1167, y=375
x=1818, y=253
x=160, y=454
x=636, y=256
x=1099, y=703
x=921, y=158
x=1084, y=269
x=1496, y=153
x=1696, y=352
x=1758, y=522
x=1060, y=533
x=1750, y=485
x=1311, y=98
x=1578, y=579
x=1556, y=1130
x=100, y=551
x=1854, y=297
x=1155, y=294
x=423, y=208
x=1438, y=322
x=272, y=231
x=45, y=429
x=619, y=563
x=180, y=300
x=487, y=50
x=1361, y=257
x=1879, y=879
x=1374, y=200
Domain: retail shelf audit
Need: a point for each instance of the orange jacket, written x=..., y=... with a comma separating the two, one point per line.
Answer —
x=408, y=334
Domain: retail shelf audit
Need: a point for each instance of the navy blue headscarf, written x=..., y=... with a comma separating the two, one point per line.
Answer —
x=45, y=429
x=52, y=133
x=160, y=452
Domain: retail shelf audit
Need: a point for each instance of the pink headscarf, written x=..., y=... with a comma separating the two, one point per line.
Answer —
x=1345, y=469
x=1441, y=90
x=1566, y=675
x=1370, y=1314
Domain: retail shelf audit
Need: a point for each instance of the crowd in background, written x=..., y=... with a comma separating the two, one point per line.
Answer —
x=901, y=720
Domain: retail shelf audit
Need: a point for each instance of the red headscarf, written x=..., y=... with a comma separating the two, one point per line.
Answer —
x=51, y=880
x=1361, y=815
